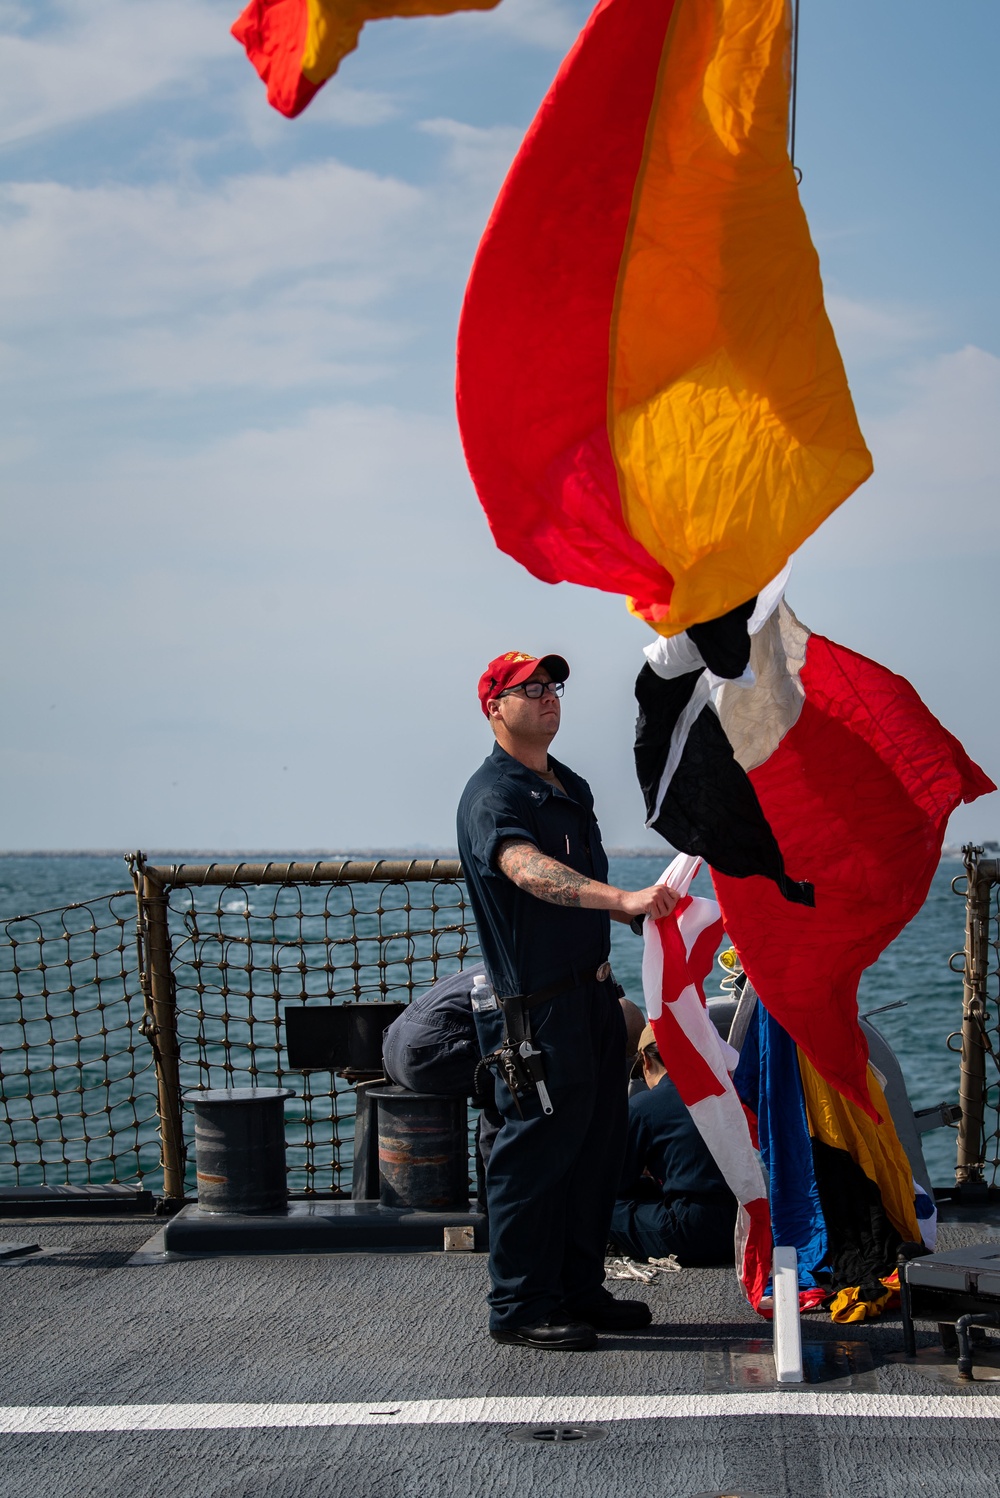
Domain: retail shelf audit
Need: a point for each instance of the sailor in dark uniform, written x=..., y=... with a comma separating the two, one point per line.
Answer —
x=432, y=1047
x=672, y=1198
x=536, y=869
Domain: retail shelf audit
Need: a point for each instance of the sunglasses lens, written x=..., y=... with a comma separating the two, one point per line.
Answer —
x=535, y=689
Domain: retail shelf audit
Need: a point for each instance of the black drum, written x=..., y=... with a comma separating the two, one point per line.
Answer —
x=423, y=1150
x=239, y=1147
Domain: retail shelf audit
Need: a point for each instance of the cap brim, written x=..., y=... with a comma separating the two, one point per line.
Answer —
x=555, y=665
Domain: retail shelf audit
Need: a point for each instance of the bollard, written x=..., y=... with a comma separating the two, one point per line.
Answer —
x=423, y=1150
x=787, y=1325
x=239, y=1144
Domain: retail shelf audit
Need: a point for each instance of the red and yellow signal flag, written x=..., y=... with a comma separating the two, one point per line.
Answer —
x=650, y=394
x=296, y=45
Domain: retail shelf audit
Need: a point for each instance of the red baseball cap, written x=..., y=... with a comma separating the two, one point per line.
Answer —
x=511, y=669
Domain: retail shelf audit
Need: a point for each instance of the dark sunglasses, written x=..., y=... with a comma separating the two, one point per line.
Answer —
x=535, y=689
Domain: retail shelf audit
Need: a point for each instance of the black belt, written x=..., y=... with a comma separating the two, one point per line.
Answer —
x=529, y=1000
x=519, y=1060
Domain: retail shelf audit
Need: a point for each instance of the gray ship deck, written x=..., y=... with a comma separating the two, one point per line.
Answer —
x=371, y=1374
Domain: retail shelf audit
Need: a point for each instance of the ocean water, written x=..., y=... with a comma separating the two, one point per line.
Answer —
x=913, y=972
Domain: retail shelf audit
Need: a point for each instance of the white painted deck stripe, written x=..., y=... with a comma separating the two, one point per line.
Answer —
x=85, y=1418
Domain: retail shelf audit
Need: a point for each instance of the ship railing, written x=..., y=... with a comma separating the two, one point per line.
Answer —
x=106, y=1019
x=112, y=1009
x=77, y=1073
x=978, y=1041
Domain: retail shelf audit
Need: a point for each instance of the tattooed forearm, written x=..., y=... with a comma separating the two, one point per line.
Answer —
x=546, y=878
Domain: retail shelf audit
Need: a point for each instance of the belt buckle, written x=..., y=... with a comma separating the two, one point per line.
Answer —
x=603, y=972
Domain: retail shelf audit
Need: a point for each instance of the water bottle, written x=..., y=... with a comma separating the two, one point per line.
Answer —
x=483, y=997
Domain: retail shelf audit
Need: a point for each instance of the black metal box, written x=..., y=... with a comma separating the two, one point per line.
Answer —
x=337, y=1037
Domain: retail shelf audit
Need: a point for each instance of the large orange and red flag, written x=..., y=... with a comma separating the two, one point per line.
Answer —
x=650, y=394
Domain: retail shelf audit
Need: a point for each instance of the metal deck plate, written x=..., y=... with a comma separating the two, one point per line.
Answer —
x=315, y=1227
x=750, y=1365
x=942, y=1366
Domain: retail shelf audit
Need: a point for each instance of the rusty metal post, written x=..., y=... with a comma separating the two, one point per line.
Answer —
x=160, y=1026
x=970, y=1163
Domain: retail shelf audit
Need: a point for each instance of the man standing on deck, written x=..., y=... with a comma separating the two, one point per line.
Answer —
x=536, y=869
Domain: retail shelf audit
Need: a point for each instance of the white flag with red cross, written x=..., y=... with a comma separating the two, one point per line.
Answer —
x=679, y=952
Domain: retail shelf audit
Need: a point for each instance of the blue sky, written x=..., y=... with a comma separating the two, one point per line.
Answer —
x=247, y=589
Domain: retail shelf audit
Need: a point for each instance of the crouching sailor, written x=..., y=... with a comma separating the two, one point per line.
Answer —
x=672, y=1198
x=535, y=868
x=432, y=1047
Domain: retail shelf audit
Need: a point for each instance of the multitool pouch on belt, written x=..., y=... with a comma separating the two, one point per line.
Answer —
x=518, y=1060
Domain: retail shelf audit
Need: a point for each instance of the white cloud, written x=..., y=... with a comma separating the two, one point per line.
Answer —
x=549, y=24
x=870, y=331
x=124, y=251
x=478, y=154
x=97, y=56
x=102, y=55
x=253, y=122
x=476, y=160
x=205, y=599
x=259, y=598
x=292, y=340
x=936, y=484
x=947, y=436
x=263, y=279
x=343, y=105
x=326, y=489
x=286, y=581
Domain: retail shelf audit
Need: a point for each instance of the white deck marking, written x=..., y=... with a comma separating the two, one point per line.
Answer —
x=84, y=1418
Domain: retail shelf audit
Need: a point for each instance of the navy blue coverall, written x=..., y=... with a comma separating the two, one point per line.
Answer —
x=433, y=1047
x=683, y=1206
x=551, y=1180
